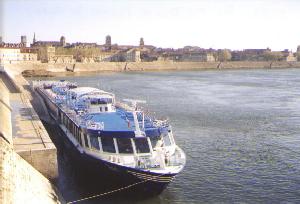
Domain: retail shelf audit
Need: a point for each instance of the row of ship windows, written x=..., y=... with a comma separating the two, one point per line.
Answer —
x=114, y=145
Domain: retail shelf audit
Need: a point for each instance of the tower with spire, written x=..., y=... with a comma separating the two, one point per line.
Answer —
x=34, y=40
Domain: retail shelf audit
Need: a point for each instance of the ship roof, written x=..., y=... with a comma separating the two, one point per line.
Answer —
x=121, y=124
x=113, y=121
x=83, y=90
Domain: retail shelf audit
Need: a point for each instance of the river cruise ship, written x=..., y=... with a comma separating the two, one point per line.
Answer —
x=119, y=141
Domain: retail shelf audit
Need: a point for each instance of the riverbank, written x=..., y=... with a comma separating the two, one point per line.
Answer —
x=50, y=69
x=28, y=159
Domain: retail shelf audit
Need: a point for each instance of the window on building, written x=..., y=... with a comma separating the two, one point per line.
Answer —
x=141, y=145
x=108, y=144
x=124, y=145
x=106, y=109
x=94, y=142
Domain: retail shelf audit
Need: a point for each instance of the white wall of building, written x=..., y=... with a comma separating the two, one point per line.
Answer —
x=10, y=55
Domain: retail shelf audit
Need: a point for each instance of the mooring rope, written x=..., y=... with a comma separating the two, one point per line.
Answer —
x=116, y=190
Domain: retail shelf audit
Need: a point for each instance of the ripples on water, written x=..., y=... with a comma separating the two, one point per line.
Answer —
x=239, y=128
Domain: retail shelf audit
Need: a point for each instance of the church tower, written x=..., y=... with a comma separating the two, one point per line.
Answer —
x=108, y=43
x=34, y=40
x=142, y=43
x=63, y=41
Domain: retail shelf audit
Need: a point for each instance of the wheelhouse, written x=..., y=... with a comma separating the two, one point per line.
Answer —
x=90, y=100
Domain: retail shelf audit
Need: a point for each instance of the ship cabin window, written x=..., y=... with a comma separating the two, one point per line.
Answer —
x=61, y=118
x=86, y=141
x=167, y=140
x=97, y=101
x=108, y=144
x=94, y=142
x=124, y=145
x=156, y=141
x=65, y=120
x=141, y=145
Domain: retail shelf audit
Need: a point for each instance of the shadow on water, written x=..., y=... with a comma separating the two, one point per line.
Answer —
x=74, y=183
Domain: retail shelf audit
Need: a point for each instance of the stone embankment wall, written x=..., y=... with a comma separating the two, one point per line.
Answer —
x=5, y=114
x=19, y=181
x=145, y=66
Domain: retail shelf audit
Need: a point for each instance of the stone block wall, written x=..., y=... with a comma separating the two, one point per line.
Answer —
x=20, y=182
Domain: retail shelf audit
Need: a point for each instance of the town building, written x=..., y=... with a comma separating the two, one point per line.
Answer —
x=80, y=45
x=133, y=55
x=13, y=55
x=60, y=43
x=100, y=57
x=290, y=57
x=10, y=54
x=22, y=44
x=197, y=57
x=187, y=56
x=46, y=53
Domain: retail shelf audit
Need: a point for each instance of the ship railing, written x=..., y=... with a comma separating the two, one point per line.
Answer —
x=161, y=123
x=145, y=162
x=124, y=106
x=161, y=161
x=176, y=159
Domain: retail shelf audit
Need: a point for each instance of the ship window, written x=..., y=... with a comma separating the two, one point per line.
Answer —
x=106, y=109
x=108, y=144
x=86, y=142
x=167, y=140
x=94, y=142
x=124, y=145
x=100, y=109
x=75, y=131
x=80, y=140
x=156, y=141
x=141, y=145
x=65, y=120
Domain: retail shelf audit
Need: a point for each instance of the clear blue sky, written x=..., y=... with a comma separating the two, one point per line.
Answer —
x=233, y=24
